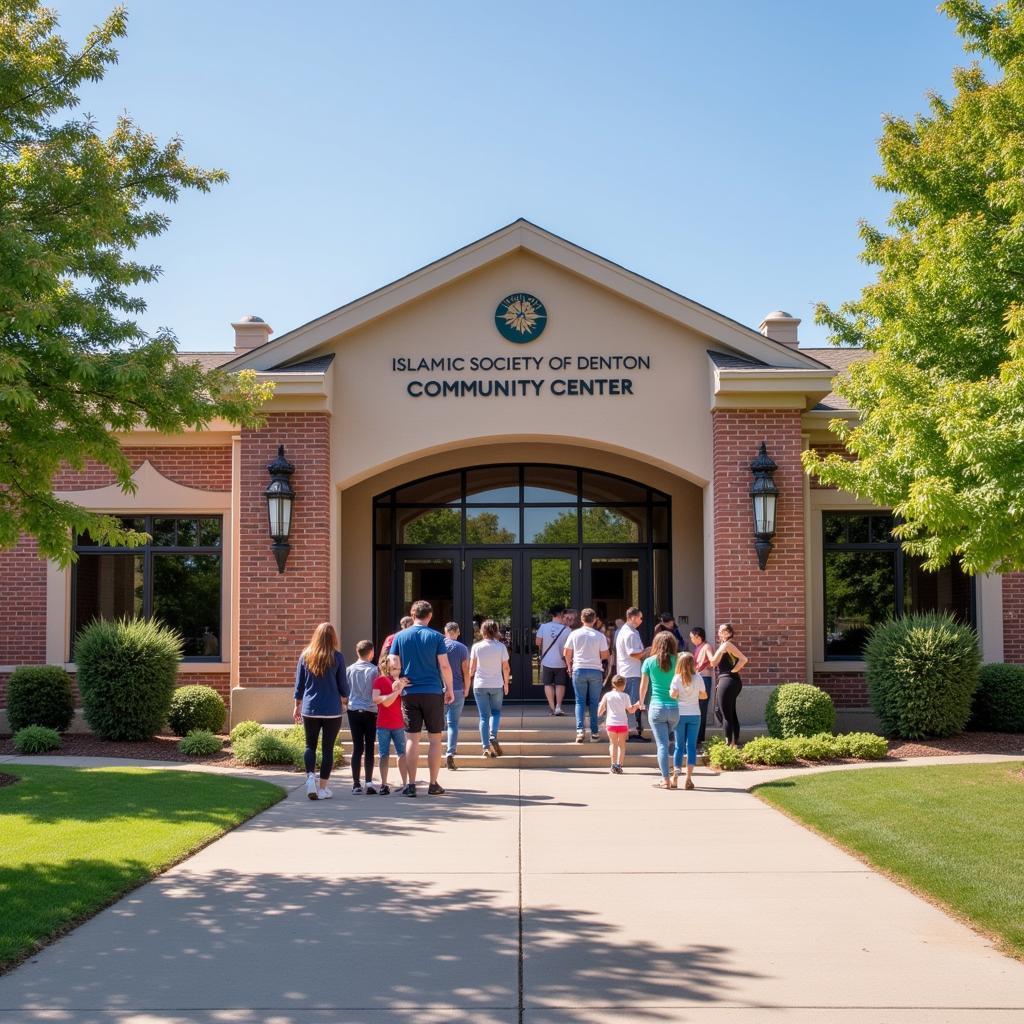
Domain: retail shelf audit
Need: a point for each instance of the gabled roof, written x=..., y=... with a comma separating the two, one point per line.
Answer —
x=522, y=235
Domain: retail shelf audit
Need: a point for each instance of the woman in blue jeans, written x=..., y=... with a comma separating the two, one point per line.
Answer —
x=488, y=667
x=688, y=690
x=663, y=714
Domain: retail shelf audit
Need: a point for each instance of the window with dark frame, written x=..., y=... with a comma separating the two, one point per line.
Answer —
x=176, y=578
x=868, y=578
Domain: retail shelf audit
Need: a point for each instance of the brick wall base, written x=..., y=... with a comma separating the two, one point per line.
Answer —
x=847, y=689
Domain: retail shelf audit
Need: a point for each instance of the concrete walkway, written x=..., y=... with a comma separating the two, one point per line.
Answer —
x=547, y=897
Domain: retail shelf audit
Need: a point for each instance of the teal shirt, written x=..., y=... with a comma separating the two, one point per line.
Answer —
x=660, y=679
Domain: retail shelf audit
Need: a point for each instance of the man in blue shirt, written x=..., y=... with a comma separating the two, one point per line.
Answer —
x=458, y=659
x=419, y=654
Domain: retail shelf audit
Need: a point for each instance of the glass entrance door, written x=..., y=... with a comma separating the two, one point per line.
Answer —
x=551, y=578
x=429, y=577
x=612, y=582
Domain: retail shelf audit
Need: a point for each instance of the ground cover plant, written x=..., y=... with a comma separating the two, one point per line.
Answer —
x=36, y=739
x=117, y=828
x=200, y=743
x=823, y=746
x=950, y=831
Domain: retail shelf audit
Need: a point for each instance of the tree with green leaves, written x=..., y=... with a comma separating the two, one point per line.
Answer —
x=76, y=369
x=940, y=391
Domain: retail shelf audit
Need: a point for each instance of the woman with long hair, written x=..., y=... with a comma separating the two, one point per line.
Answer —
x=663, y=714
x=321, y=694
x=688, y=690
x=729, y=660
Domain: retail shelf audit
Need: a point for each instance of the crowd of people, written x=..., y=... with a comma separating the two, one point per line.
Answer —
x=422, y=679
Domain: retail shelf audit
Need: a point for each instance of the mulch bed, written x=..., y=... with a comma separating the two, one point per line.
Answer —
x=7, y=780
x=160, y=748
x=965, y=743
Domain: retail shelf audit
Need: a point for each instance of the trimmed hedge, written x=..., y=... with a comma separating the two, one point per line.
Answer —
x=39, y=695
x=822, y=747
x=36, y=739
x=865, y=746
x=798, y=709
x=725, y=758
x=196, y=708
x=127, y=671
x=767, y=750
x=265, y=747
x=999, y=699
x=200, y=743
x=922, y=671
x=243, y=729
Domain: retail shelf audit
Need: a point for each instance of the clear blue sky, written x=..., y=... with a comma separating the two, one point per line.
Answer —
x=724, y=149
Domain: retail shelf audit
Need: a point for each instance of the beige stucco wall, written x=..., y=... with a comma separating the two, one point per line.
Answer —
x=666, y=417
x=356, y=578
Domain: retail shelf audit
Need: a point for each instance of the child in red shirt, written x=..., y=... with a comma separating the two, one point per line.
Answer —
x=390, y=724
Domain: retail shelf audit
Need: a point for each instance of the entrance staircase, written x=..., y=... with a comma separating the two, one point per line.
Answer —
x=531, y=738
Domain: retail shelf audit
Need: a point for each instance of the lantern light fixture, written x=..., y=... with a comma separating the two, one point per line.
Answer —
x=764, y=495
x=280, y=496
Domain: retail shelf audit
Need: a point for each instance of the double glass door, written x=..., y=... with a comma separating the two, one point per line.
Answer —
x=516, y=588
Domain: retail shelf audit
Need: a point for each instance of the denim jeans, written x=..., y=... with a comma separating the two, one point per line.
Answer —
x=663, y=719
x=451, y=716
x=385, y=737
x=633, y=692
x=488, y=703
x=587, y=684
x=687, y=729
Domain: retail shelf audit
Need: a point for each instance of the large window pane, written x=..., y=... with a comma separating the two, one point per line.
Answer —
x=551, y=525
x=107, y=587
x=614, y=587
x=429, y=526
x=433, y=580
x=383, y=626
x=600, y=488
x=438, y=490
x=209, y=533
x=550, y=484
x=491, y=595
x=860, y=591
x=948, y=590
x=614, y=525
x=662, y=592
x=494, y=485
x=384, y=522
x=186, y=596
x=164, y=532
x=492, y=526
x=659, y=524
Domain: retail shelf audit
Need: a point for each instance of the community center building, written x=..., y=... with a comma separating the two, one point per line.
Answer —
x=520, y=424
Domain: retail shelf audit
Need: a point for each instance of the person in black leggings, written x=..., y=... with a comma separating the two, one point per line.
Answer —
x=730, y=660
x=362, y=716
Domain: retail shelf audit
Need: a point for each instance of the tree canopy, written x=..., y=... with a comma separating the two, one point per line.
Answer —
x=940, y=438
x=75, y=366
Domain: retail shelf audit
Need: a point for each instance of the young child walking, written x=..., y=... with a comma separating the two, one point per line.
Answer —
x=617, y=706
x=387, y=694
x=362, y=716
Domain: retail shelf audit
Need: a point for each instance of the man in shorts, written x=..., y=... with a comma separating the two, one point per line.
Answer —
x=419, y=654
x=629, y=656
x=553, y=676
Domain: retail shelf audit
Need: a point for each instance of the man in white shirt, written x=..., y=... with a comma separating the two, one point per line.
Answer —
x=549, y=640
x=629, y=656
x=584, y=651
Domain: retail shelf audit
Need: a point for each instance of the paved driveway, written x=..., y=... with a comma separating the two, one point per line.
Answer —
x=547, y=897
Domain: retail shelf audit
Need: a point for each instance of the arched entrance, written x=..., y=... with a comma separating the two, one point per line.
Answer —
x=508, y=541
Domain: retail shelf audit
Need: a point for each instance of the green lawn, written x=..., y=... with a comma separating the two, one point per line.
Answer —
x=953, y=832
x=73, y=839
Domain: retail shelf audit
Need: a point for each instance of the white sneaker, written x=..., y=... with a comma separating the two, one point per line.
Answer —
x=325, y=794
x=311, y=786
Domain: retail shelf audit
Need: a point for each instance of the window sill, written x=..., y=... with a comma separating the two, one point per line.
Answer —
x=197, y=667
x=840, y=666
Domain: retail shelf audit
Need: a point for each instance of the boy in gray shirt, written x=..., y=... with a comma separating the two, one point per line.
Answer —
x=362, y=715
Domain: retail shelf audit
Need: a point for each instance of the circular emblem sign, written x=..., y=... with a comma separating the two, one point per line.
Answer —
x=520, y=317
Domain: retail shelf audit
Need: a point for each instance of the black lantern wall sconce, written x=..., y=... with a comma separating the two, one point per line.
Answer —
x=280, y=496
x=764, y=495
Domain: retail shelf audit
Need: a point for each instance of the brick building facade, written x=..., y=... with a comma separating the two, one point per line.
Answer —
x=607, y=448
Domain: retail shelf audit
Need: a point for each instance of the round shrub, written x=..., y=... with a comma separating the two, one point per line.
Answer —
x=726, y=758
x=863, y=745
x=200, y=743
x=768, y=750
x=243, y=729
x=127, y=670
x=821, y=747
x=797, y=709
x=36, y=739
x=264, y=747
x=196, y=707
x=922, y=671
x=999, y=699
x=39, y=695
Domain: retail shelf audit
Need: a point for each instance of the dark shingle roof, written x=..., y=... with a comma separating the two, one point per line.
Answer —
x=839, y=359
x=727, y=361
x=207, y=360
x=317, y=365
